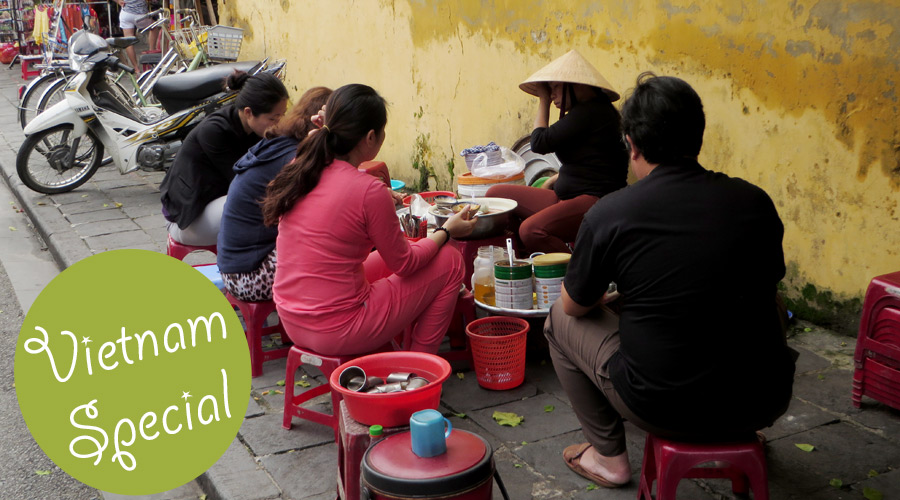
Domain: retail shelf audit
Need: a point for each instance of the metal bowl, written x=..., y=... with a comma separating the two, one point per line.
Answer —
x=492, y=221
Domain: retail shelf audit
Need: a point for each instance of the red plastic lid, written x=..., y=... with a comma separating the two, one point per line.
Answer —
x=394, y=456
x=390, y=465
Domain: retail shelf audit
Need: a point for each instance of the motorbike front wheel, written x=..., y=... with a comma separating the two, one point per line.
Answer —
x=56, y=161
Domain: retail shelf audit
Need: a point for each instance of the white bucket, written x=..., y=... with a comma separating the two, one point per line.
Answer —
x=469, y=186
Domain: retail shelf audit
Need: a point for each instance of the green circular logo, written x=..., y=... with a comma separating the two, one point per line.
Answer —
x=132, y=372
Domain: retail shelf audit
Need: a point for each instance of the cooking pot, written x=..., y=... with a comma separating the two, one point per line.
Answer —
x=493, y=218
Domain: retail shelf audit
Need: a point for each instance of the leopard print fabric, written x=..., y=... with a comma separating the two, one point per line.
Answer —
x=254, y=286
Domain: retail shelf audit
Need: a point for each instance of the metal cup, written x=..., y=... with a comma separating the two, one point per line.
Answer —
x=415, y=383
x=353, y=378
x=386, y=388
x=400, y=377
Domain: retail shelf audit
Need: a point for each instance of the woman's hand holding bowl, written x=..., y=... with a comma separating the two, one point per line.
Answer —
x=461, y=223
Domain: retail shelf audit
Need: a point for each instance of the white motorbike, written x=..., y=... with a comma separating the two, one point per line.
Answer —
x=64, y=145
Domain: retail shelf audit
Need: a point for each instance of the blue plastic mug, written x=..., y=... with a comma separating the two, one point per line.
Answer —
x=427, y=433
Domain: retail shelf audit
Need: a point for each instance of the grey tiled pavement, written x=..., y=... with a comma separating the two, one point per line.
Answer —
x=114, y=211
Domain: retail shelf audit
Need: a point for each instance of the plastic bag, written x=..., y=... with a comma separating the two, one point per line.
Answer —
x=512, y=164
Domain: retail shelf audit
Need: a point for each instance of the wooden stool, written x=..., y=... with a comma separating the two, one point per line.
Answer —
x=877, y=357
x=180, y=250
x=667, y=462
x=255, y=314
x=353, y=441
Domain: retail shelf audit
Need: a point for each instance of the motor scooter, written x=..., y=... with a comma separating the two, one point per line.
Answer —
x=64, y=145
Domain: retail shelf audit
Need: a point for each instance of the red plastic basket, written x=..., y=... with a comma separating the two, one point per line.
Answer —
x=498, y=351
x=428, y=196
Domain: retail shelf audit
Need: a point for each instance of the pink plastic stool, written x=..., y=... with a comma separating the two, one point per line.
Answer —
x=180, y=250
x=877, y=357
x=456, y=331
x=377, y=169
x=299, y=356
x=255, y=314
x=667, y=462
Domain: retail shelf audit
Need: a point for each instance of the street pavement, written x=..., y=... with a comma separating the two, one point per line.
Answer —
x=859, y=447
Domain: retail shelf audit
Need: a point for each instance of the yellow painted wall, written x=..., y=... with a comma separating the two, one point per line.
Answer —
x=800, y=95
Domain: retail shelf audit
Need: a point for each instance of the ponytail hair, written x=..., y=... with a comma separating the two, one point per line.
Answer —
x=260, y=92
x=352, y=111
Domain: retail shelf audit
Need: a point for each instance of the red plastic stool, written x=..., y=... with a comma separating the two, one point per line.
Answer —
x=180, y=250
x=667, y=462
x=378, y=169
x=299, y=356
x=352, y=445
x=255, y=314
x=877, y=357
x=26, y=62
x=469, y=250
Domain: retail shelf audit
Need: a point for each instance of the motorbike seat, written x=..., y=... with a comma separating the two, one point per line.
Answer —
x=122, y=41
x=182, y=90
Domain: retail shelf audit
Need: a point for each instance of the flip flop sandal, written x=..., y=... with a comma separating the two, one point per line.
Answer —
x=572, y=455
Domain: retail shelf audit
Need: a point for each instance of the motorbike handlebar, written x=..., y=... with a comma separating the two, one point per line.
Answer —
x=114, y=62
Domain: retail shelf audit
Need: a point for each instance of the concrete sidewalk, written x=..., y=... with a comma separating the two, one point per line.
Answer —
x=113, y=211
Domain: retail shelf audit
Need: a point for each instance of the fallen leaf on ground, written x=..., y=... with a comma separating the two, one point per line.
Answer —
x=280, y=383
x=42, y=472
x=460, y=375
x=517, y=466
x=549, y=408
x=872, y=494
x=84, y=196
x=459, y=415
x=837, y=483
x=524, y=443
x=203, y=497
x=821, y=377
x=592, y=486
x=302, y=383
x=276, y=391
x=265, y=393
x=805, y=447
x=807, y=329
x=508, y=418
x=41, y=203
x=118, y=205
x=12, y=228
x=105, y=205
x=872, y=472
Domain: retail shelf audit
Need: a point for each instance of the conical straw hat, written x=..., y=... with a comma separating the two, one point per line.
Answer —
x=572, y=67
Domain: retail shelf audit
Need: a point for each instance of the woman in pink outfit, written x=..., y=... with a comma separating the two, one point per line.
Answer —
x=333, y=294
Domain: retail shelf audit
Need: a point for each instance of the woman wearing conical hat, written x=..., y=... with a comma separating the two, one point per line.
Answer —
x=588, y=143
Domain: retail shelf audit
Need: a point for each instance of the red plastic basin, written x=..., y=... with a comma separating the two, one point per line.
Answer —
x=394, y=409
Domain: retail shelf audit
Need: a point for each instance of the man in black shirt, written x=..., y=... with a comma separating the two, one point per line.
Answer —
x=698, y=350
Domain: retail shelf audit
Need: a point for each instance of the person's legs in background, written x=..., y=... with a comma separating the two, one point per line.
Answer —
x=550, y=229
x=529, y=201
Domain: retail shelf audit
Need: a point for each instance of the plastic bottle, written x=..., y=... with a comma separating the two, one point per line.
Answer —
x=483, y=275
x=376, y=433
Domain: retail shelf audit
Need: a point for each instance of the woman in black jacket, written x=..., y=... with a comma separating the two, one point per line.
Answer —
x=194, y=189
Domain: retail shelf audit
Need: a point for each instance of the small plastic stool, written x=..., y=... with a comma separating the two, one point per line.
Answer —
x=469, y=250
x=353, y=441
x=877, y=356
x=255, y=314
x=180, y=250
x=378, y=169
x=211, y=271
x=26, y=62
x=667, y=462
x=299, y=356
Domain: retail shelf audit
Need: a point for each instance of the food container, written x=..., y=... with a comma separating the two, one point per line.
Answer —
x=549, y=272
x=428, y=196
x=492, y=221
x=393, y=409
